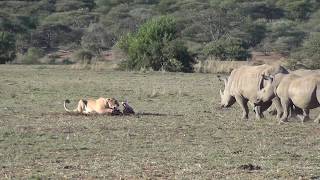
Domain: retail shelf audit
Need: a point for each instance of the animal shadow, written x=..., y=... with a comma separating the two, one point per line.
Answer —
x=155, y=114
x=138, y=114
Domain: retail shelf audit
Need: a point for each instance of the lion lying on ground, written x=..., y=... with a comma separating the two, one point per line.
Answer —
x=100, y=106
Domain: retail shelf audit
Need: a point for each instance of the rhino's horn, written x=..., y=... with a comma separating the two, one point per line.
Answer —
x=221, y=93
x=225, y=81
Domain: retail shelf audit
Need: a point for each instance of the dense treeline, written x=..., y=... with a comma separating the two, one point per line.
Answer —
x=222, y=29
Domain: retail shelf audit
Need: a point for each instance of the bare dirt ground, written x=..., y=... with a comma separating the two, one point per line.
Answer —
x=178, y=133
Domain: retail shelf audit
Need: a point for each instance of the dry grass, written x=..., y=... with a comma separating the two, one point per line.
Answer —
x=178, y=133
x=213, y=66
x=94, y=65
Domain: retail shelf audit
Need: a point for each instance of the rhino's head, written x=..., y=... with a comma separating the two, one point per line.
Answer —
x=226, y=99
x=266, y=90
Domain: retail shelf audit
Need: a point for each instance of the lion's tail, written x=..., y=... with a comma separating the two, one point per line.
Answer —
x=67, y=101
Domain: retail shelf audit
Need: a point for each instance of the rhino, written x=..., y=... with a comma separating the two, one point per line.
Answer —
x=243, y=84
x=291, y=89
x=273, y=109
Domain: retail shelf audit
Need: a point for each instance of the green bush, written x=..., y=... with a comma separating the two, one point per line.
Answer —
x=7, y=47
x=228, y=49
x=155, y=46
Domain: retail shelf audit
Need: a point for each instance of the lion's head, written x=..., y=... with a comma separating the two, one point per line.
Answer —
x=112, y=103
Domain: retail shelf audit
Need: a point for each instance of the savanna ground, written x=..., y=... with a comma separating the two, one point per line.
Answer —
x=178, y=133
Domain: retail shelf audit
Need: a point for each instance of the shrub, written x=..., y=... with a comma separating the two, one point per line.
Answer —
x=155, y=46
x=32, y=56
x=82, y=56
x=228, y=49
x=7, y=47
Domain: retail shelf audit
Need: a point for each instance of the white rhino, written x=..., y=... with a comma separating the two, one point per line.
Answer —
x=273, y=109
x=290, y=89
x=243, y=84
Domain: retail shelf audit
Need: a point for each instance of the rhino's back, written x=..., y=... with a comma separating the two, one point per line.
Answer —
x=305, y=72
x=245, y=80
x=282, y=83
x=302, y=91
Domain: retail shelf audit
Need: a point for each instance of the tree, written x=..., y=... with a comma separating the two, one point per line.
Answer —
x=125, y=23
x=309, y=53
x=228, y=48
x=284, y=36
x=97, y=39
x=265, y=10
x=51, y=36
x=70, y=5
x=7, y=47
x=215, y=23
x=156, y=46
x=252, y=32
x=298, y=9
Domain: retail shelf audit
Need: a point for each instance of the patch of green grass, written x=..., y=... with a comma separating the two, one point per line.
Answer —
x=178, y=133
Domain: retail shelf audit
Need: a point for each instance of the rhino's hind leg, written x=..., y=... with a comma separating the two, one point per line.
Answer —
x=244, y=106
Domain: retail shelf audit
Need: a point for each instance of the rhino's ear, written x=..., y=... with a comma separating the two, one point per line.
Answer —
x=264, y=77
x=219, y=77
x=224, y=79
x=270, y=77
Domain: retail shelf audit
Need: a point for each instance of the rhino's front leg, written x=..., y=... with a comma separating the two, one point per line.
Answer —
x=244, y=106
x=277, y=104
x=285, y=106
x=257, y=110
x=305, y=117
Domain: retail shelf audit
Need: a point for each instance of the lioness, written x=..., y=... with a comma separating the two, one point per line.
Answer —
x=100, y=106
